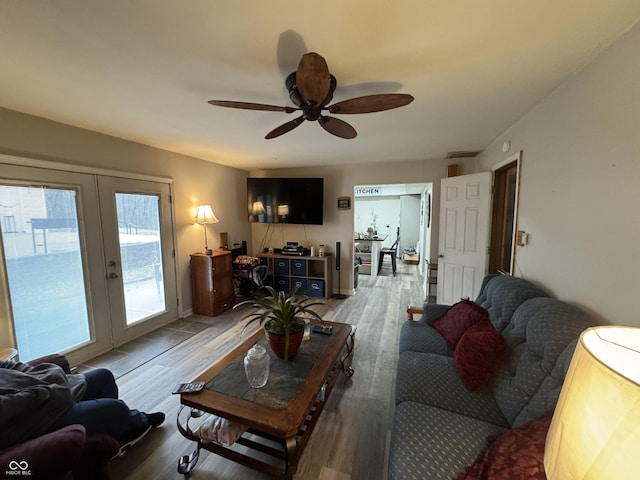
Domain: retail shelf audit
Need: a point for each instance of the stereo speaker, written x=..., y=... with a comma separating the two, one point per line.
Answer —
x=338, y=295
x=244, y=247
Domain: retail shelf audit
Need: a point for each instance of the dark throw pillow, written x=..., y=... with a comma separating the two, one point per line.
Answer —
x=478, y=354
x=457, y=320
x=517, y=454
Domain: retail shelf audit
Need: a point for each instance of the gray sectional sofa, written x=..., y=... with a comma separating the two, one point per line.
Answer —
x=439, y=426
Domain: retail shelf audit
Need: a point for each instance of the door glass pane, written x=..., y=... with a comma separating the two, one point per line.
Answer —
x=44, y=268
x=139, y=236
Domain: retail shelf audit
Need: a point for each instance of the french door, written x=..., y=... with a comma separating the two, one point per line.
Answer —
x=87, y=261
x=139, y=259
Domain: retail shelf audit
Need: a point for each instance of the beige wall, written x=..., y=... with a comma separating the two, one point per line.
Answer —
x=580, y=188
x=194, y=181
x=339, y=181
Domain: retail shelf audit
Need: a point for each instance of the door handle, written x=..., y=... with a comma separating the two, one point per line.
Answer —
x=441, y=255
x=113, y=275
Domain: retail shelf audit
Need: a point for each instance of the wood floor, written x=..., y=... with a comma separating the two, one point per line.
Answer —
x=351, y=439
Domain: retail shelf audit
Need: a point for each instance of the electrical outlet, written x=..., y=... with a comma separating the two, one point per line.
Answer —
x=522, y=238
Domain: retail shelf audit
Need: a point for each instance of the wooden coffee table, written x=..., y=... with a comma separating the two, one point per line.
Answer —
x=281, y=415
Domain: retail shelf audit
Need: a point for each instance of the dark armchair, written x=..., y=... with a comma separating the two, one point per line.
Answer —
x=67, y=453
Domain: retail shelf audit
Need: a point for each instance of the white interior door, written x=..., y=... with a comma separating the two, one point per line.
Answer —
x=465, y=208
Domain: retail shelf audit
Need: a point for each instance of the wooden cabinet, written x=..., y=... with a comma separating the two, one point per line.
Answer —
x=212, y=282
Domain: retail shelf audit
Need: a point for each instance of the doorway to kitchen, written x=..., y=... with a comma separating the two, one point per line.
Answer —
x=386, y=213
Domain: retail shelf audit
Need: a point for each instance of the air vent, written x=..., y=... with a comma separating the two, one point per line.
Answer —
x=464, y=154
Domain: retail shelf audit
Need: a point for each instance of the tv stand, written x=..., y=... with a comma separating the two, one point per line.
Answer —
x=284, y=272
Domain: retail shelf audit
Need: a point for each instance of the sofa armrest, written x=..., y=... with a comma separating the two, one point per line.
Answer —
x=429, y=312
x=433, y=311
x=50, y=455
x=56, y=358
x=411, y=311
x=94, y=463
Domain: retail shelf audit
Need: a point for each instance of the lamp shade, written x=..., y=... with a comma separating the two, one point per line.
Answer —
x=257, y=208
x=283, y=210
x=205, y=215
x=595, y=431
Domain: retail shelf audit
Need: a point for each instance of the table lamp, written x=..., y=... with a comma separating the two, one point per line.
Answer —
x=595, y=431
x=204, y=216
x=283, y=211
x=257, y=208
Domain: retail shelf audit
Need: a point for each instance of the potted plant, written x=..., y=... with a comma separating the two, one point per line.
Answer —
x=281, y=314
x=373, y=228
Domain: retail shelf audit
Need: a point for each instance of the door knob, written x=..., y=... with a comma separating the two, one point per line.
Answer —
x=441, y=255
x=112, y=263
x=113, y=275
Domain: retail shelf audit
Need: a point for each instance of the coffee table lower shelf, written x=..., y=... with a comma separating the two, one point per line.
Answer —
x=284, y=452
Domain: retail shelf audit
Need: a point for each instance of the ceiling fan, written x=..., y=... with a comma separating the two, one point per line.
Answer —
x=311, y=88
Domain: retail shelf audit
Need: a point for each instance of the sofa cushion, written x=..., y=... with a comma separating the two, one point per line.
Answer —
x=478, y=354
x=547, y=395
x=457, y=320
x=537, y=337
x=417, y=336
x=501, y=295
x=428, y=442
x=434, y=380
x=517, y=454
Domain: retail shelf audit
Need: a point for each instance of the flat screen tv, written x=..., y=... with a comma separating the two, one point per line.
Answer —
x=285, y=200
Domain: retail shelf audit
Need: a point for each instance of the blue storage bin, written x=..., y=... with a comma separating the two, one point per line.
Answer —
x=282, y=284
x=301, y=283
x=316, y=288
x=298, y=267
x=281, y=266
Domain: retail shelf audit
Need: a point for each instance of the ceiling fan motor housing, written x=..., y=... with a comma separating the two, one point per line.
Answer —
x=296, y=98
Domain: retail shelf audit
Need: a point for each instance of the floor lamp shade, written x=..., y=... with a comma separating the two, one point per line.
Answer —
x=595, y=431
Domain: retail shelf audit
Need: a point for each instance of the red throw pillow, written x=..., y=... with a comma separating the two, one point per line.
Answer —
x=457, y=320
x=517, y=454
x=478, y=354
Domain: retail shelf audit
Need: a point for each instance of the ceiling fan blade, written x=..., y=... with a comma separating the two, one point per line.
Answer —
x=337, y=127
x=251, y=106
x=312, y=78
x=371, y=103
x=284, y=128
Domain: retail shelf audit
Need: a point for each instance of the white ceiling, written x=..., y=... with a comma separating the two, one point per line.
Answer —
x=144, y=70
